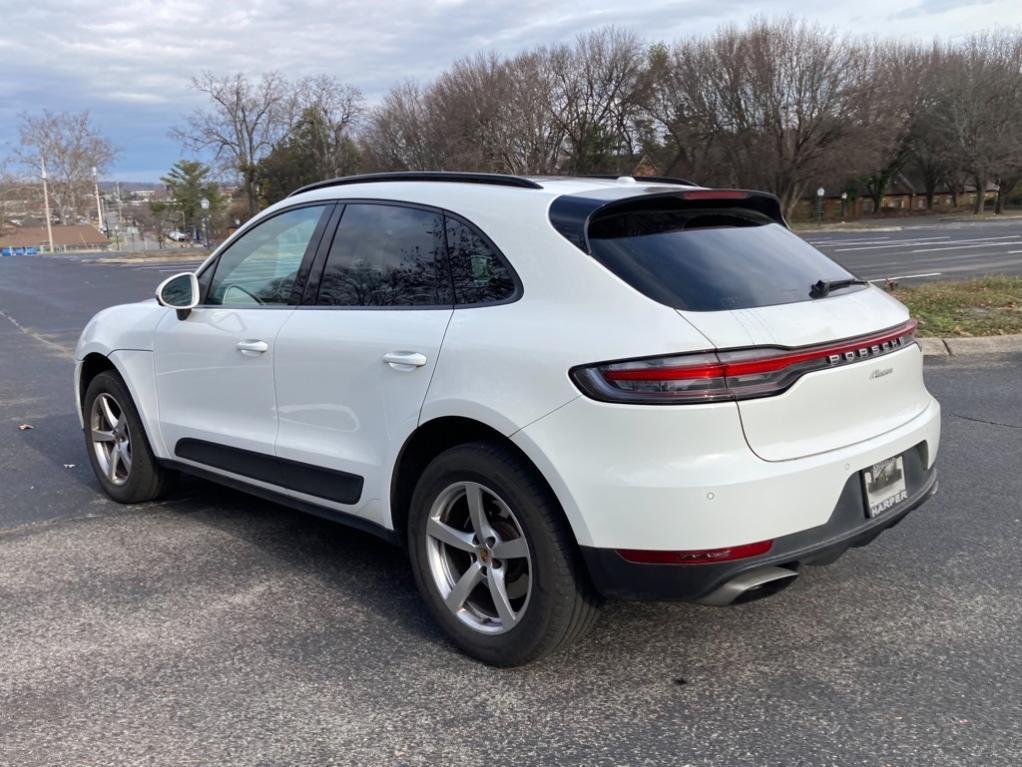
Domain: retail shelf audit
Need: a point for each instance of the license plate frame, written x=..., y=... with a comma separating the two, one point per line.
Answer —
x=883, y=486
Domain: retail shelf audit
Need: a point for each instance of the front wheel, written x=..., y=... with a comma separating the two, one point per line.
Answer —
x=494, y=559
x=115, y=439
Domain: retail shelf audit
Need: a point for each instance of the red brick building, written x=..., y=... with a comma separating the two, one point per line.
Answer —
x=65, y=238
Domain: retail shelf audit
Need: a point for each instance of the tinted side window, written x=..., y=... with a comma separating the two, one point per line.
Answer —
x=260, y=268
x=480, y=276
x=386, y=255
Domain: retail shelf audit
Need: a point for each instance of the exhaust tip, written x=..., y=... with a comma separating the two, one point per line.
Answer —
x=750, y=586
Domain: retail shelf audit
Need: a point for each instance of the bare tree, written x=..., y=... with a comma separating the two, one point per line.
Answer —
x=8, y=191
x=331, y=112
x=71, y=147
x=598, y=92
x=818, y=101
x=497, y=115
x=977, y=109
x=403, y=134
x=535, y=135
x=899, y=73
x=684, y=109
x=779, y=105
x=484, y=113
x=241, y=123
x=466, y=108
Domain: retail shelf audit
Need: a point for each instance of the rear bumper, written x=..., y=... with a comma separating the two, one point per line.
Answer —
x=684, y=478
x=847, y=527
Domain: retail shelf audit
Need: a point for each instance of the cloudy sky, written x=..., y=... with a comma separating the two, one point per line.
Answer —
x=130, y=61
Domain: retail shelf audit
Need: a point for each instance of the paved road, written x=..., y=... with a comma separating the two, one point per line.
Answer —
x=949, y=250
x=212, y=628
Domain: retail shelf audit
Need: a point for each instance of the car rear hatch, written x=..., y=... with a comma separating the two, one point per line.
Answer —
x=814, y=363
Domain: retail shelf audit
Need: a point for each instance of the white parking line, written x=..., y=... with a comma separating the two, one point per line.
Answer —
x=1006, y=239
x=906, y=276
x=901, y=244
x=849, y=241
x=964, y=247
x=987, y=239
x=880, y=240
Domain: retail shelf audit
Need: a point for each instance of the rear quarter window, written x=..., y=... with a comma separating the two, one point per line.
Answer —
x=708, y=258
x=479, y=273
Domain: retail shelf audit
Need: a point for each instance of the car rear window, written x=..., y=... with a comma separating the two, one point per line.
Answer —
x=705, y=259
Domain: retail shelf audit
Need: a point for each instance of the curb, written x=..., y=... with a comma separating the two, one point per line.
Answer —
x=953, y=347
x=899, y=225
x=865, y=228
x=164, y=258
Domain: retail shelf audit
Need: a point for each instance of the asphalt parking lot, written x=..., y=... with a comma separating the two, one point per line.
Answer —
x=213, y=629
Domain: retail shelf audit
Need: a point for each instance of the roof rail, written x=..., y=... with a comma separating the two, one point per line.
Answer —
x=496, y=179
x=653, y=179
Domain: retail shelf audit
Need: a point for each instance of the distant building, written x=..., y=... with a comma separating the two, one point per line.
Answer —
x=65, y=238
x=140, y=197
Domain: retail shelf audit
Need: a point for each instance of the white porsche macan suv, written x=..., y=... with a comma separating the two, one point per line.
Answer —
x=549, y=390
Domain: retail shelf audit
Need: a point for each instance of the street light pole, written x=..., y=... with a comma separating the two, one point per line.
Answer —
x=819, y=204
x=120, y=215
x=99, y=202
x=204, y=204
x=46, y=202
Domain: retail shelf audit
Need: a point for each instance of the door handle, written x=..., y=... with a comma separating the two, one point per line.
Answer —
x=252, y=348
x=404, y=360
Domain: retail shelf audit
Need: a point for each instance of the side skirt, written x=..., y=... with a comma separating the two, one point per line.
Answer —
x=235, y=483
x=317, y=481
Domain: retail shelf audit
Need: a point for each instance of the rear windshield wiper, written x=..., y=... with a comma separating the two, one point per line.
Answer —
x=822, y=288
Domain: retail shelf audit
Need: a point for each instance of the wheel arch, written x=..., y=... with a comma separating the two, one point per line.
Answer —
x=91, y=366
x=428, y=441
x=135, y=368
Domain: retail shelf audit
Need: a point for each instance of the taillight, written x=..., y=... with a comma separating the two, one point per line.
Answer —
x=728, y=375
x=697, y=557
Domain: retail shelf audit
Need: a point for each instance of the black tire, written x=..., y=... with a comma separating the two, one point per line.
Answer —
x=146, y=479
x=562, y=604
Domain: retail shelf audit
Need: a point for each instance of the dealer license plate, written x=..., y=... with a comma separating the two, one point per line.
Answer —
x=884, y=484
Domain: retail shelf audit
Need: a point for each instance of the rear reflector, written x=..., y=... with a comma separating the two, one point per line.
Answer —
x=697, y=557
x=729, y=375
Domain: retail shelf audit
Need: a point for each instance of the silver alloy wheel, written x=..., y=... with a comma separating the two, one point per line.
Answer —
x=111, y=440
x=479, y=558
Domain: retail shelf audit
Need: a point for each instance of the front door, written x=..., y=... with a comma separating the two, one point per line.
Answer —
x=214, y=369
x=354, y=364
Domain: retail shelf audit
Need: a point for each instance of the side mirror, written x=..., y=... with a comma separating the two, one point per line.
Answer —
x=179, y=292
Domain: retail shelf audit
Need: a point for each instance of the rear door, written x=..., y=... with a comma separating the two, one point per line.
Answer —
x=354, y=362
x=744, y=280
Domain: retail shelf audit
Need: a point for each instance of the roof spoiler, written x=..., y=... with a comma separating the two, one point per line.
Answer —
x=571, y=214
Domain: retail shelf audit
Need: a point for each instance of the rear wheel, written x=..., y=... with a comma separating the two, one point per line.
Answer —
x=494, y=559
x=116, y=442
